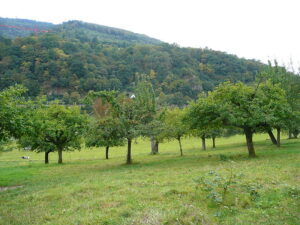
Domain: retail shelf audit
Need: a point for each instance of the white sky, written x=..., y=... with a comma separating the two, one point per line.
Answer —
x=260, y=29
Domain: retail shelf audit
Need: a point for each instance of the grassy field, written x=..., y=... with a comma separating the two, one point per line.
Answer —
x=156, y=189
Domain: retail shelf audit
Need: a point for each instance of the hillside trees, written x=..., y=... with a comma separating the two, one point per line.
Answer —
x=52, y=128
x=66, y=65
x=29, y=26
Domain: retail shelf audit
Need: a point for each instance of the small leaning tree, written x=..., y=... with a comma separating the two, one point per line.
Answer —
x=106, y=132
x=208, y=125
x=176, y=128
x=276, y=110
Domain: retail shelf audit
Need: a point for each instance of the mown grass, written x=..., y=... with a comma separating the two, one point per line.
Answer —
x=156, y=189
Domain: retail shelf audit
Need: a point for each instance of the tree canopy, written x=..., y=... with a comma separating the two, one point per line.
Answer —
x=12, y=120
x=52, y=128
x=242, y=106
x=132, y=113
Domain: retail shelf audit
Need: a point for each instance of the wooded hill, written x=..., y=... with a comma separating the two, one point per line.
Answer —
x=75, y=57
x=13, y=28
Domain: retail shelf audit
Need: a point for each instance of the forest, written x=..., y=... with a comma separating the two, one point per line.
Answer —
x=76, y=57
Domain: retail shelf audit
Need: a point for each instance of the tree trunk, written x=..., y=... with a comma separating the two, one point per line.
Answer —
x=272, y=137
x=249, y=140
x=214, y=142
x=154, y=146
x=106, y=152
x=203, y=143
x=129, y=161
x=180, y=146
x=278, y=137
x=60, y=156
x=290, y=134
x=47, y=157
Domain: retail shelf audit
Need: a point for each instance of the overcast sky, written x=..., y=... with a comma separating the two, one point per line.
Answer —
x=259, y=29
